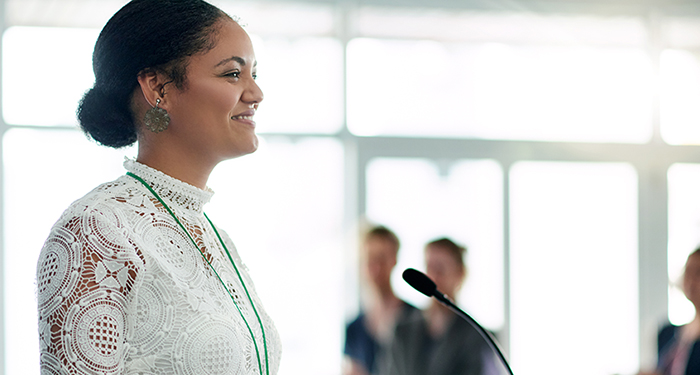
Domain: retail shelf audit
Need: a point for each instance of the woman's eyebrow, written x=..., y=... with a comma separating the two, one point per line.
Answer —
x=237, y=59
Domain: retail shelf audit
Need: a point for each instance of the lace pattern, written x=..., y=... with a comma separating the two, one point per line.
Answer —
x=122, y=290
x=179, y=193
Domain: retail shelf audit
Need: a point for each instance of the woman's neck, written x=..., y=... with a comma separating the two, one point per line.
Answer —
x=190, y=170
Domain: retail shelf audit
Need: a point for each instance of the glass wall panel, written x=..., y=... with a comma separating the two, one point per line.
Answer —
x=44, y=171
x=283, y=208
x=302, y=80
x=60, y=13
x=45, y=72
x=421, y=203
x=680, y=95
x=574, y=268
x=683, y=234
x=498, y=91
x=681, y=32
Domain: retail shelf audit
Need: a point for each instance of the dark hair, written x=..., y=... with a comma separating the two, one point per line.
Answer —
x=156, y=35
x=456, y=251
x=385, y=234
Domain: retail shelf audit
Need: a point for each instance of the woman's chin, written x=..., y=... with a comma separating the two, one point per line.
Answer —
x=243, y=151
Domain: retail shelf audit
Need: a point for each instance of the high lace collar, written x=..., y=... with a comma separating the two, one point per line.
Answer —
x=175, y=192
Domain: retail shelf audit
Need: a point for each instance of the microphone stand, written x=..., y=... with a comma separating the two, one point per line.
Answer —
x=445, y=300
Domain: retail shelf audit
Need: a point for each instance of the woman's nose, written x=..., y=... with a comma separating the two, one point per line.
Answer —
x=253, y=93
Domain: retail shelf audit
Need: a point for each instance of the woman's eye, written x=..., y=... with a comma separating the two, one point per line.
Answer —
x=235, y=74
x=255, y=75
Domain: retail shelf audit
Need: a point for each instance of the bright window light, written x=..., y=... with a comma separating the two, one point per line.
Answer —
x=45, y=72
x=302, y=94
x=37, y=190
x=497, y=91
x=682, y=32
x=61, y=13
x=288, y=18
x=418, y=202
x=680, y=95
x=574, y=268
x=283, y=208
x=683, y=234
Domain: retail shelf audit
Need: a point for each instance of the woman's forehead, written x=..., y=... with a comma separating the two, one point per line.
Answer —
x=233, y=44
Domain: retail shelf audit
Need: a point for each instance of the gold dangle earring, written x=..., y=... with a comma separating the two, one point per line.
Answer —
x=156, y=119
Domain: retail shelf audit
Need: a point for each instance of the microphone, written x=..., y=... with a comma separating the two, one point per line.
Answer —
x=422, y=283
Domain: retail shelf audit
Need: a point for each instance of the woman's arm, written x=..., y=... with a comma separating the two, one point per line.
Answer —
x=85, y=273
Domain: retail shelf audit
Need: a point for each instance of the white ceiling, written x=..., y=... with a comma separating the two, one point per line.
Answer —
x=95, y=13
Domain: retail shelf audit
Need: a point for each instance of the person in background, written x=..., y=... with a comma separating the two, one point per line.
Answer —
x=435, y=341
x=134, y=278
x=679, y=346
x=372, y=330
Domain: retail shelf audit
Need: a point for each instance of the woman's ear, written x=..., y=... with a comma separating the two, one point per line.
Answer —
x=152, y=84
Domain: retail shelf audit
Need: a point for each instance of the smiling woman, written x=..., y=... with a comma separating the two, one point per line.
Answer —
x=211, y=111
x=134, y=277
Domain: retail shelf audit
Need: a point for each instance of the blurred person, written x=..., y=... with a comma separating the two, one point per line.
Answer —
x=436, y=341
x=134, y=278
x=679, y=346
x=367, y=336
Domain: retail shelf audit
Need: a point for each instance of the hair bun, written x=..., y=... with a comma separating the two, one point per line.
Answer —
x=102, y=117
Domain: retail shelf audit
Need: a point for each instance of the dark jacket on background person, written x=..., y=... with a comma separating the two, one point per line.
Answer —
x=460, y=351
x=667, y=340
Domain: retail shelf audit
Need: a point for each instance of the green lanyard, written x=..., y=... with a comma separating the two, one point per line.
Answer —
x=257, y=352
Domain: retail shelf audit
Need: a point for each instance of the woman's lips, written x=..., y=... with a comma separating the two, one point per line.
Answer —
x=246, y=116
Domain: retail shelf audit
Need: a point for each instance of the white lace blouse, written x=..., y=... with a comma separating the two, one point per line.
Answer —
x=123, y=290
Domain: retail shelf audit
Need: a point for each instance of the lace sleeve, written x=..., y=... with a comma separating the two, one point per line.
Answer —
x=85, y=273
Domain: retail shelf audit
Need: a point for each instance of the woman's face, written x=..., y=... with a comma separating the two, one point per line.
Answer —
x=691, y=279
x=444, y=270
x=212, y=116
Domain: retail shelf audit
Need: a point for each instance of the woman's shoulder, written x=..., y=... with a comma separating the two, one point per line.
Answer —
x=119, y=190
x=103, y=213
x=119, y=194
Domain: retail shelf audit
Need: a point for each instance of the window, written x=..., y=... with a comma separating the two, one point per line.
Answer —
x=283, y=208
x=574, y=268
x=422, y=202
x=37, y=190
x=45, y=73
x=683, y=235
x=499, y=76
x=302, y=94
x=680, y=94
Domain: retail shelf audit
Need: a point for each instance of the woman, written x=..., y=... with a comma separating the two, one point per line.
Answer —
x=435, y=341
x=134, y=278
x=679, y=347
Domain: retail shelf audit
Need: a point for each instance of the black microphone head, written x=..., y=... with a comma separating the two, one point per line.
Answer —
x=420, y=282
